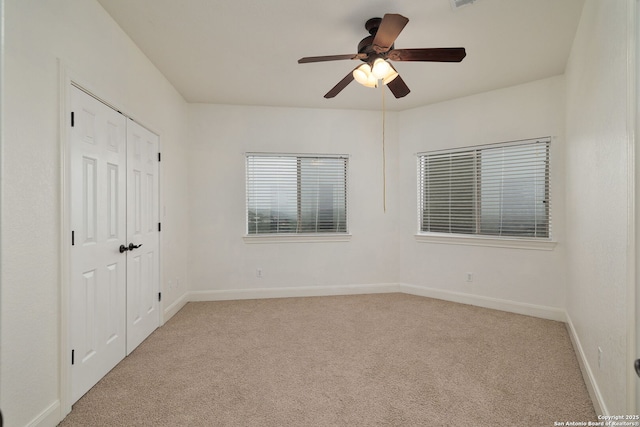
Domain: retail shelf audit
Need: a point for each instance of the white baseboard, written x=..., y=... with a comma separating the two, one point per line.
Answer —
x=289, y=292
x=175, y=307
x=587, y=373
x=544, y=312
x=50, y=417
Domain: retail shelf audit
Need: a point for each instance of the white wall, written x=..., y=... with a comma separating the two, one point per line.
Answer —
x=219, y=257
x=597, y=185
x=203, y=191
x=383, y=249
x=94, y=49
x=518, y=275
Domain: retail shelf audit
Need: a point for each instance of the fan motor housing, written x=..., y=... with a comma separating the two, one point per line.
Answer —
x=366, y=44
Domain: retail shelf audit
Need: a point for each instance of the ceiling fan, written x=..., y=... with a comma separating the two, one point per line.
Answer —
x=376, y=49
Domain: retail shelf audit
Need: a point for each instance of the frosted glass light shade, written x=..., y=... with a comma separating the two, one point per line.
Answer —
x=363, y=75
x=380, y=68
x=392, y=74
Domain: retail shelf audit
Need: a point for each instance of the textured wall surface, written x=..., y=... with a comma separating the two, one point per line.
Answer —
x=597, y=199
x=93, y=48
x=527, y=111
x=219, y=257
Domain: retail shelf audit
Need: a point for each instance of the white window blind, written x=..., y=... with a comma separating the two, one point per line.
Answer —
x=496, y=190
x=296, y=194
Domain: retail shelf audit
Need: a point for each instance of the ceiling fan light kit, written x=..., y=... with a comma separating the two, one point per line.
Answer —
x=392, y=74
x=368, y=75
x=377, y=49
x=380, y=68
x=364, y=76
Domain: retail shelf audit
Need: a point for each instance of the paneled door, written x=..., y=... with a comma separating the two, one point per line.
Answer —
x=98, y=224
x=114, y=254
x=142, y=234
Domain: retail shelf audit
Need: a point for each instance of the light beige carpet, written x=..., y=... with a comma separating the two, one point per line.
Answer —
x=365, y=360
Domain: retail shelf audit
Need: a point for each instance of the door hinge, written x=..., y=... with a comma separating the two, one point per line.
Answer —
x=73, y=238
x=73, y=357
x=159, y=226
x=159, y=157
x=159, y=296
x=72, y=119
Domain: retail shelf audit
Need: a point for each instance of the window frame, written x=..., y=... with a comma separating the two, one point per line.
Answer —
x=517, y=242
x=297, y=237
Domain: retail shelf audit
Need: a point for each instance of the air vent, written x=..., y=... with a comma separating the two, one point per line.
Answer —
x=456, y=4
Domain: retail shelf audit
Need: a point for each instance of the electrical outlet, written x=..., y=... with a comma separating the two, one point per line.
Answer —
x=259, y=273
x=600, y=357
x=469, y=277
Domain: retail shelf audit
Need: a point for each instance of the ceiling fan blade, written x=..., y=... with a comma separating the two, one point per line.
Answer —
x=308, y=59
x=341, y=85
x=398, y=87
x=390, y=27
x=442, y=54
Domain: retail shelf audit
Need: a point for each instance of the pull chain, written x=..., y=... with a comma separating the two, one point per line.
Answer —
x=384, y=157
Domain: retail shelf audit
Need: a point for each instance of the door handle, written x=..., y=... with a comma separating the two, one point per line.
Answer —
x=132, y=246
x=123, y=248
x=637, y=366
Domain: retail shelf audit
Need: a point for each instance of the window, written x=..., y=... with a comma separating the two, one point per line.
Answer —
x=296, y=194
x=492, y=190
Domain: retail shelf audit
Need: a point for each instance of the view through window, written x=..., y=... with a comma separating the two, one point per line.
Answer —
x=296, y=194
x=497, y=190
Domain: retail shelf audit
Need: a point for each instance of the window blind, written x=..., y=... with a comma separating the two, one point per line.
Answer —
x=296, y=194
x=497, y=190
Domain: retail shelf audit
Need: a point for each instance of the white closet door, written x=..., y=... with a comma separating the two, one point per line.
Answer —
x=142, y=234
x=98, y=268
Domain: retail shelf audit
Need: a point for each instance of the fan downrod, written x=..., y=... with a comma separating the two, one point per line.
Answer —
x=372, y=25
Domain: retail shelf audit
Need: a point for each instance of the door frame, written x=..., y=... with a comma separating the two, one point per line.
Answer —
x=633, y=207
x=67, y=79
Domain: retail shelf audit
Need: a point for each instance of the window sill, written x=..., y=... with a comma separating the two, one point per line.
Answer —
x=496, y=242
x=297, y=238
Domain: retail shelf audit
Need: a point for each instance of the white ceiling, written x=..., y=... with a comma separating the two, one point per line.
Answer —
x=245, y=52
